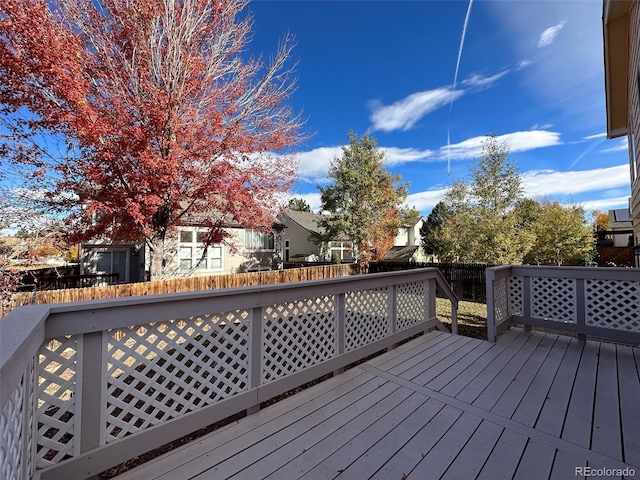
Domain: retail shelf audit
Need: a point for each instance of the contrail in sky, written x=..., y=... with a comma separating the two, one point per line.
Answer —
x=455, y=80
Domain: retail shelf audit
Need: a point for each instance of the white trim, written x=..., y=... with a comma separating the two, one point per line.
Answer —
x=197, y=250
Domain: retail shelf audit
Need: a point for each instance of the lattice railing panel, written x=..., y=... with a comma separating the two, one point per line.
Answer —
x=500, y=300
x=366, y=316
x=163, y=370
x=516, y=295
x=12, y=419
x=412, y=304
x=58, y=376
x=553, y=299
x=613, y=304
x=297, y=335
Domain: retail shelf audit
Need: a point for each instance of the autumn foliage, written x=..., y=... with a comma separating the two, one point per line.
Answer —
x=162, y=114
x=364, y=199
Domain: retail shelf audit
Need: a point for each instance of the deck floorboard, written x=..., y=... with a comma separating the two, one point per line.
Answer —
x=533, y=405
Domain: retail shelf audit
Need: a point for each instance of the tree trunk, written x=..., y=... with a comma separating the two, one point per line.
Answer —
x=156, y=258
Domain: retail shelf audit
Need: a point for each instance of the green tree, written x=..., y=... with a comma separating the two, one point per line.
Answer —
x=483, y=223
x=299, y=205
x=364, y=200
x=431, y=231
x=410, y=213
x=527, y=211
x=562, y=234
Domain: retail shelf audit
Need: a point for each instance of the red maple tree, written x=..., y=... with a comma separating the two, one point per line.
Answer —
x=162, y=113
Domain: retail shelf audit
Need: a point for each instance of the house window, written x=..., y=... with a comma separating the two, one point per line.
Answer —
x=110, y=261
x=192, y=253
x=287, y=250
x=256, y=240
x=344, y=249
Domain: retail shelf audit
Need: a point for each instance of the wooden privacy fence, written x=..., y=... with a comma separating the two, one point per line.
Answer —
x=468, y=280
x=193, y=284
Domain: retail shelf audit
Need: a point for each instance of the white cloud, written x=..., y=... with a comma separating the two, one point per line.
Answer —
x=597, y=135
x=542, y=183
x=606, y=203
x=516, y=142
x=395, y=156
x=403, y=114
x=313, y=199
x=523, y=63
x=544, y=126
x=480, y=81
x=622, y=146
x=549, y=35
x=425, y=200
x=314, y=164
x=550, y=183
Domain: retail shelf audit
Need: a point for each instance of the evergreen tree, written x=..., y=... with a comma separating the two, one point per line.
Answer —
x=299, y=205
x=364, y=200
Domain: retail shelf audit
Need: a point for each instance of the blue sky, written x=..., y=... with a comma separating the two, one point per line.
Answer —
x=530, y=71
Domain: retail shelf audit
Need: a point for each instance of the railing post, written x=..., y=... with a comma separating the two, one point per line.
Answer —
x=490, y=276
x=580, y=306
x=454, y=319
x=341, y=328
x=29, y=419
x=91, y=397
x=526, y=299
x=255, y=353
x=431, y=299
x=393, y=312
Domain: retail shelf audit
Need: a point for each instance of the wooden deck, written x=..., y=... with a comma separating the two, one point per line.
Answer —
x=532, y=406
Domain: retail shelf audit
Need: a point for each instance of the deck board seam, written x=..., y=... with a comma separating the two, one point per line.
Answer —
x=558, y=443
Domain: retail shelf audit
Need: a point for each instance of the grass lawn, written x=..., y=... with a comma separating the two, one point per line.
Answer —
x=472, y=317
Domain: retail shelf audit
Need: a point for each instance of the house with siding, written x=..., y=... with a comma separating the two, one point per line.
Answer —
x=621, y=29
x=300, y=244
x=407, y=244
x=245, y=250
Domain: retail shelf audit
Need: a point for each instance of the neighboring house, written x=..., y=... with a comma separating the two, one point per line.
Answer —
x=299, y=229
x=406, y=247
x=620, y=221
x=103, y=257
x=246, y=250
x=409, y=233
x=621, y=27
x=298, y=243
x=406, y=254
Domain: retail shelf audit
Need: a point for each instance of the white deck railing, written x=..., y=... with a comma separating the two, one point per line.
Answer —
x=88, y=385
x=600, y=302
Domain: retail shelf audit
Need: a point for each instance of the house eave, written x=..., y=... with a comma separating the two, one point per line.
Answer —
x=615, y=24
